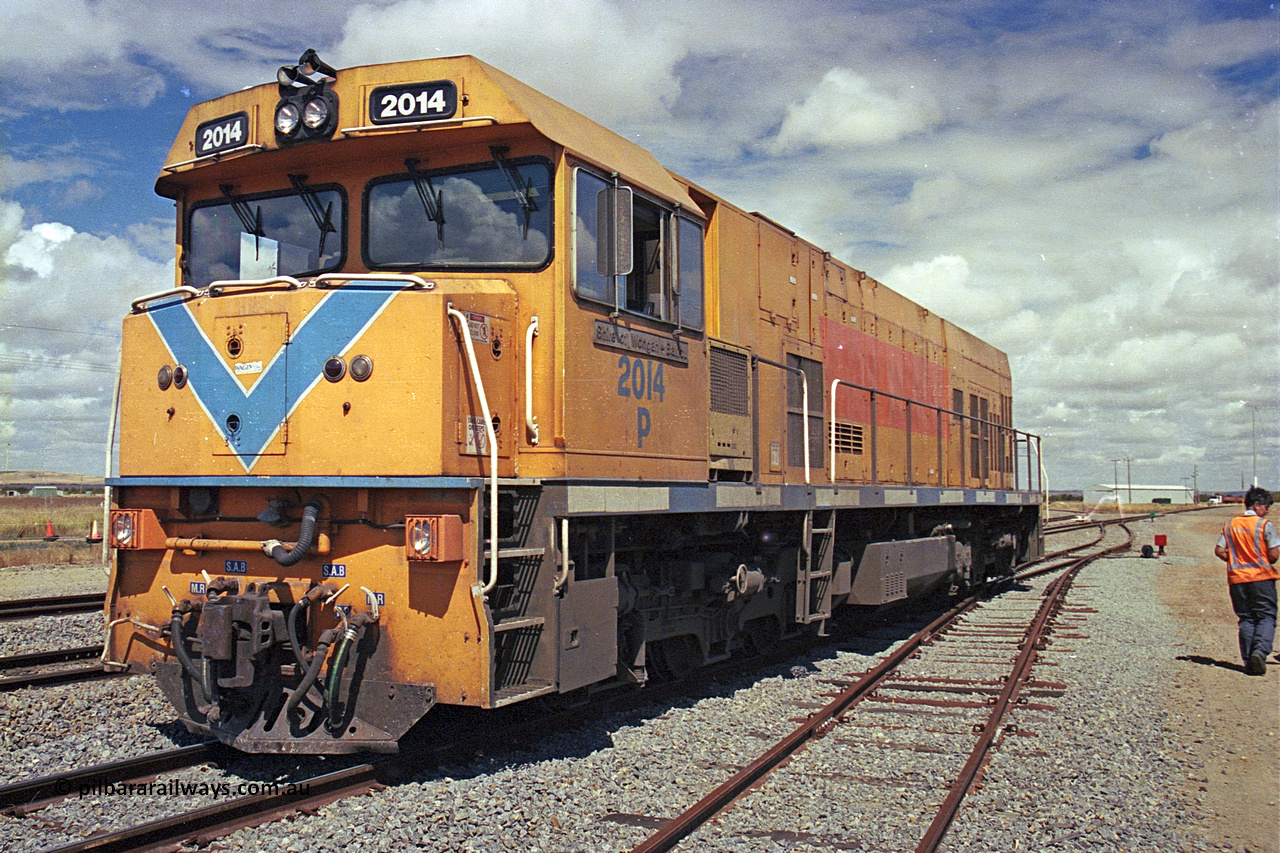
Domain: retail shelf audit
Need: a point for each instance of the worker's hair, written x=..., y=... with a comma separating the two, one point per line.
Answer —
x=1257, y=495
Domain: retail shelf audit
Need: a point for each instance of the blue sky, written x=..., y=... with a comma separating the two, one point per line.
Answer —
x=1092, y=187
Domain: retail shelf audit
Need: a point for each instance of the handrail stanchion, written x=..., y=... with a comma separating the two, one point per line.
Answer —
x=835, y=383
x=968, y=427
x=941, y=483
x=491, y=435
x=911, y=470
x=875, y=478
x=804, y=401
x=530, y=420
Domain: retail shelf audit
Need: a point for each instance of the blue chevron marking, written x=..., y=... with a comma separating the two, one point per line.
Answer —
x=332, y=327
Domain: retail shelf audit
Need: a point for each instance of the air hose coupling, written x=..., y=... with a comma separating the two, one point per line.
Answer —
x=285, y=557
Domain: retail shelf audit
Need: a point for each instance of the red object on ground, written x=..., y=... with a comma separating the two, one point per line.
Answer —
x=1161, y=541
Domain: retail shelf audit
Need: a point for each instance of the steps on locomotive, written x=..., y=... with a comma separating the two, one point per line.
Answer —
x=816, y=569
x=520, y=672
x=521, y=692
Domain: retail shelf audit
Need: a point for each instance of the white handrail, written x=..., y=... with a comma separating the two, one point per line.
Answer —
x=563, y=574
x=226, y=284
x=835, y=383
x=411, y=280
x=804, y=397
x=492, y=436
x=415, y=125
x=240, y=149
x=173, y=291
x=530, y=422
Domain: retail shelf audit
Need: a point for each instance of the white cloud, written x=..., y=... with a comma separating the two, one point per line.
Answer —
x=1090, y=191
x=62, y=295
x=607, y=59
x=847, y=109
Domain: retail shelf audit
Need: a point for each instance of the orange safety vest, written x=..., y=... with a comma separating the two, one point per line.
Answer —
x=1247, y=548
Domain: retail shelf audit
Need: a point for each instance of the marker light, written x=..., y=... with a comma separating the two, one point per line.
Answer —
x=287, y=116
x=165, y=377
x=421, y=539
x=315, y=113
x=361, y=368
x=180, y=377
x=433, y=538
x=334, y=369
x=122, y=529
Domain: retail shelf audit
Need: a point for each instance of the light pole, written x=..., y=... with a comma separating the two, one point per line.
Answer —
x=1253, y=411
x=1115, y=478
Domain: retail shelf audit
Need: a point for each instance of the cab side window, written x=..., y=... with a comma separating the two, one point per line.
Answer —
x=661, y=278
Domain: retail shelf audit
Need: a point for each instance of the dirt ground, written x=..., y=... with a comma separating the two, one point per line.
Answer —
x=1234, y=719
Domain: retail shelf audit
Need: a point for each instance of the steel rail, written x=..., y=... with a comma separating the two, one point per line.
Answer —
x=28, y=608
x=203, y=824
x=48, y=678
x=20, y=798
x=30, y=659
x=1033, y=642
x=818, y=724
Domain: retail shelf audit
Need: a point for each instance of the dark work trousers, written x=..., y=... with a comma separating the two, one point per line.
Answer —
x=1255, y=607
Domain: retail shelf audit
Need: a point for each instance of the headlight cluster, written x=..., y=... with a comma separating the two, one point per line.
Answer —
x=306, y=109
x=307, y=116
x=335, y=368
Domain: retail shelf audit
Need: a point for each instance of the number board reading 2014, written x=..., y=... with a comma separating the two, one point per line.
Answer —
x=222, y=134
x=413, y=102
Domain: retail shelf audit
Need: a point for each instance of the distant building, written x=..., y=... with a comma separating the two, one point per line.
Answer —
x=45, y=491
x=1135, y=494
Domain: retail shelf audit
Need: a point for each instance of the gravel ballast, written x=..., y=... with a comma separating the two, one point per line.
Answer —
x=1107, y=769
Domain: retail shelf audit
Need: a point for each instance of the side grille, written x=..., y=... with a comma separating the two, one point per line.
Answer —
x=848, y=438
x=730, y=373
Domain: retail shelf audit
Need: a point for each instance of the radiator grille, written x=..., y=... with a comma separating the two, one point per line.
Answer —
x=730, y=373
x=848, y=438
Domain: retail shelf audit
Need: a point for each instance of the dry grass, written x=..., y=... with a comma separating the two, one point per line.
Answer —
x=26, y=518
x=54, y=554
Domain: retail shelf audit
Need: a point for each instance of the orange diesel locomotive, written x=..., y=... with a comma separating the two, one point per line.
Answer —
x=461, y=398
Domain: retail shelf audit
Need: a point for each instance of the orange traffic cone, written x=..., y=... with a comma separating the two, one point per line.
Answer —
x=49, y=535
x=93, y=533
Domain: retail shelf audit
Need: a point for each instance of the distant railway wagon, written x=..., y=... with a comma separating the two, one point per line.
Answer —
x=461, y=398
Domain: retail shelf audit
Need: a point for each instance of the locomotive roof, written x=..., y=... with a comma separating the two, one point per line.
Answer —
x=484, y=93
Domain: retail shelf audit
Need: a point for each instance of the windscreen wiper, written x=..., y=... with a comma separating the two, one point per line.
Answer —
x=431, y=197
x=250, y=221
x=323, y=218
x=523, y=190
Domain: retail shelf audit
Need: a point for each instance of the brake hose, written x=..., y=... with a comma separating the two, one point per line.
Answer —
x=274, y=549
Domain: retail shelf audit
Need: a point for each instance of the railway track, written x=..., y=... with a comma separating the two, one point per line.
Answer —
x=31, y=672
x=29, y=608
x=1071, y=524
x=32, y=795
x=202, y=825
x=1023, y=644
